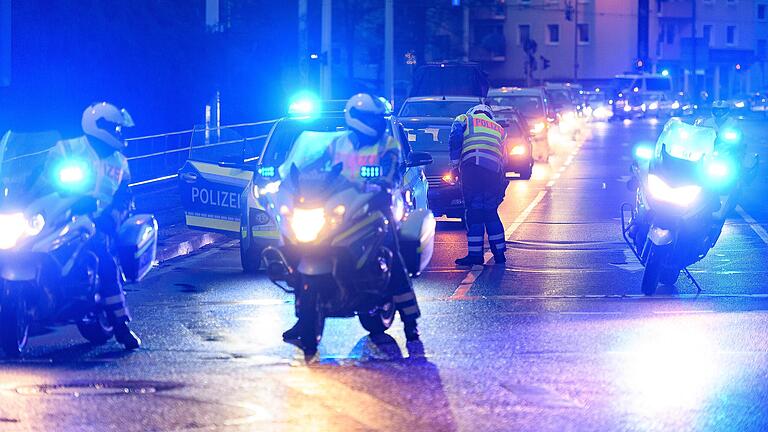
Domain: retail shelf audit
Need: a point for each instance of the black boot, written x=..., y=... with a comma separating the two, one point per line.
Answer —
x=470, y=260
x=293, y=333
x=499, y=258
x=411, y=331
x=125, y=336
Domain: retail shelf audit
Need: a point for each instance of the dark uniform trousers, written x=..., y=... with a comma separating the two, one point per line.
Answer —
x=483, y=192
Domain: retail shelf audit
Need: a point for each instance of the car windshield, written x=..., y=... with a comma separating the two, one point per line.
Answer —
x=622, y=84
x=559, y=98
x=529, y=106
x=24, y=158
x=658, y=84
x=436, y=108
x=685, y=141
x=286, y=133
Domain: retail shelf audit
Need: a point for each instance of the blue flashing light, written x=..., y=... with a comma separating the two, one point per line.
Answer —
x=644, y=153
x=72, y=175
x=304, y=104
x=370, y=171
x=718, y=170
x=731, y=135
x=267, y=171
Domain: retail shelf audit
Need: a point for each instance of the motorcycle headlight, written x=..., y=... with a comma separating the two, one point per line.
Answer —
x=682, y=196
x=14, y=226
x=307, y=224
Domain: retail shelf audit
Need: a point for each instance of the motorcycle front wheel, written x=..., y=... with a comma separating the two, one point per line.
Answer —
x=310, y=315
x=653, y=268
x=377, y=317
x=15, y=322
x=95, y=327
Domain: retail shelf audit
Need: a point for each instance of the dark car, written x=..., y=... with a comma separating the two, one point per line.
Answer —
x=518, y=144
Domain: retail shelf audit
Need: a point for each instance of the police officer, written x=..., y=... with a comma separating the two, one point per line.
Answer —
x=476, y=150
x=102, y=147
x=369, y=142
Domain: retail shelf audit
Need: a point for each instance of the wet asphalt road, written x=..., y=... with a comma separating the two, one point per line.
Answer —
x=559, y=339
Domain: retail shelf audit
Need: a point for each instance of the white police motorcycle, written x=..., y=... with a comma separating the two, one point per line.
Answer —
x=682, y=186
x=48, y=274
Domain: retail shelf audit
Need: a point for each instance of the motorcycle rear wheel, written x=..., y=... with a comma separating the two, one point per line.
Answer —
x=14, y=322
x=310, y=316
x=95, y=327
x=377, y=318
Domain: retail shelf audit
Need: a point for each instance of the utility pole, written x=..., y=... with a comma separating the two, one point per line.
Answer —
x=575, y=40
x=326, y=82
x=303, y=45
x=389, y=50
x=465, y=31
x=695, y=85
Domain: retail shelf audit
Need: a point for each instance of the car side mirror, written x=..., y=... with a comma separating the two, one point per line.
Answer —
x=239, y=164
x=419, y=159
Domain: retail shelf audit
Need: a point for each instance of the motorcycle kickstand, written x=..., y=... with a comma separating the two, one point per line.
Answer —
x=693, y=280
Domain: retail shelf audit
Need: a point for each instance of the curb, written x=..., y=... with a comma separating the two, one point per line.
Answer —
x=186, y=243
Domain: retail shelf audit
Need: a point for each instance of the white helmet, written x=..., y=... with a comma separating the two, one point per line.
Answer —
x=366, y=114
x=481, y=109
x=105, y=121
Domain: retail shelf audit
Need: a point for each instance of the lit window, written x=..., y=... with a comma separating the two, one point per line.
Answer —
x=553, y=34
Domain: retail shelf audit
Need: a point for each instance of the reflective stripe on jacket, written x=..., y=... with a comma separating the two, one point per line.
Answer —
x=482, y=144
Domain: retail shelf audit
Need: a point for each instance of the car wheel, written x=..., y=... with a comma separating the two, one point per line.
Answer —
x=250, y=257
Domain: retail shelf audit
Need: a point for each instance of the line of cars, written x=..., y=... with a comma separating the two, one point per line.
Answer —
x=220, y=193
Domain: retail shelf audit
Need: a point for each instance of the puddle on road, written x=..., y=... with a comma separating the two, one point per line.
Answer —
x=100, y=388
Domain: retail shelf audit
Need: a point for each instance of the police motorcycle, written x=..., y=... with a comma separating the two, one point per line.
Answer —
x=681, y=185
x=48, y=275
x=333, y=253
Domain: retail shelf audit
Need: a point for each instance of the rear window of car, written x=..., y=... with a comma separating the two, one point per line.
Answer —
x=529, y=106
x=429, y=139
x=449, y=109
x=658, y=84
x=559, y=97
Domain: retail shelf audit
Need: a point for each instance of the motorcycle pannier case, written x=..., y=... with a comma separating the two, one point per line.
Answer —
x=417, y=240
x=137, y=246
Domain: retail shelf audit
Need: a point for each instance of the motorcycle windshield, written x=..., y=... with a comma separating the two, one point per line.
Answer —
x=23, y=159
x=686, y=141
x=309, y=149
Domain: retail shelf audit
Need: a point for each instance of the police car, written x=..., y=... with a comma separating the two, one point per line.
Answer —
x=231, y=200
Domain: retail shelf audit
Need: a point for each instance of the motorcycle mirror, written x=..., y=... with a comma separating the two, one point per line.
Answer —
x=419, y=159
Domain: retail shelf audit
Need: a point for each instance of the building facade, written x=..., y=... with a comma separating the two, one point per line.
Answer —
x=723, y=41
x=579, y=39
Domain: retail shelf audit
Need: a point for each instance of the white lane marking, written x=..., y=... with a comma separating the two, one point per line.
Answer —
x=550, y=183
x=756, y=227
x=469, y=280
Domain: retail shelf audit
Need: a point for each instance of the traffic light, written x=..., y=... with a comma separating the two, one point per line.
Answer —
x=544, y=62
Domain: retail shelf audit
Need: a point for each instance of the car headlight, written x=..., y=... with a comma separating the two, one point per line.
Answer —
x=675, y=105
x=14, y=226
x=682, y=196
x=307, y=224
x=653, y=106
x=739, y=104
x=538, y=128
x=627, y=108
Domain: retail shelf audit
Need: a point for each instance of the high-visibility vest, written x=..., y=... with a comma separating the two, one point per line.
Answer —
x=108, y=173
x=482, y=143
x=354, y=159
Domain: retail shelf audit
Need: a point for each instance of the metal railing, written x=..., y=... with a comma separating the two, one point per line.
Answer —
x=157, y=158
